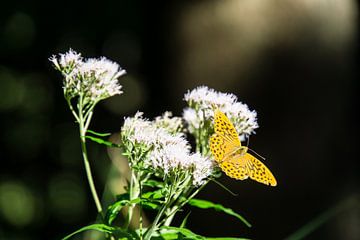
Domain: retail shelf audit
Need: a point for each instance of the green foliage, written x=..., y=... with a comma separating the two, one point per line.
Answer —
x=204, y=204
x=98, y=227
x=168, y=233
x=102, y=141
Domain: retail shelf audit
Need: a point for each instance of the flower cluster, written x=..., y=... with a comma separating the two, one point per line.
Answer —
x=165, y=147
x=154, y=148
x=93, y=79
x=202, y=102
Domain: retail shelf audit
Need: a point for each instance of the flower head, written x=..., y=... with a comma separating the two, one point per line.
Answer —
x=94, y=79
x=166, y=151
x=66, y=62
x=202, y=168
x=202, y=102
x=172, y=124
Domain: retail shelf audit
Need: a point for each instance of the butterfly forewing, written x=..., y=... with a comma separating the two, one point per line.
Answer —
x=225, y=140
x=225, y=128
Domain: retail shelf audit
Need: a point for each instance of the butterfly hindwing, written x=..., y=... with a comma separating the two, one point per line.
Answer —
x=258, y=171
x=234, y=170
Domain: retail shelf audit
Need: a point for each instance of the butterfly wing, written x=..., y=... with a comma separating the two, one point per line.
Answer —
x=234, y=169
x=243, y=166
x=233, y=159
x=225, y=140
x=254, y=168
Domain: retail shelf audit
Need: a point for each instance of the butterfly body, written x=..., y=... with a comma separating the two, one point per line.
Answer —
x=233, y=158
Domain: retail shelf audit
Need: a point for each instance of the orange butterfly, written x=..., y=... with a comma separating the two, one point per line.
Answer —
x=233, y=158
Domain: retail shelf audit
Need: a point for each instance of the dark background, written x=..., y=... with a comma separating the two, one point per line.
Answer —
x=294, y=62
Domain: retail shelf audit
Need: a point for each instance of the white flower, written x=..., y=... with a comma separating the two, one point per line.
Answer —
x=167, y=152
x=174, y=158
x=170, y=158
x=193, y=119
x=67, y=61
x=172, y=124
x=99, y=78
x=139, y=130
x=94, y=79
x=245, y=121
x=208, y=98
x=203, y=101
x=203, y=168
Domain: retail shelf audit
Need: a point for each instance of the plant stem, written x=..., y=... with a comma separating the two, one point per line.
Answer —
x=150, y=231
x=140, y=214
x=133, y=193
x=88, y=171
x=176, y=208
x=82, y=129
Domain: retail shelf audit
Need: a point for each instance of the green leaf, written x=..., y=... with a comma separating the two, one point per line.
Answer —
x=186, y=232
x=127, y=234
x=153, y=183
x=115, y=208
x=204, y=204
x=98, y=134
x=102, y=141
x=169, y=232
x=154, y=194
x=98, y=227
x=182, y=225
x=150, y=205
x=226, y=238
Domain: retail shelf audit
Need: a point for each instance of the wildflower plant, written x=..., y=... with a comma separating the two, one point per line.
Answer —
x=165, y=172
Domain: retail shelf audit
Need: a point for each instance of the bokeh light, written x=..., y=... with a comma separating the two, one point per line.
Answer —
x=17, y=203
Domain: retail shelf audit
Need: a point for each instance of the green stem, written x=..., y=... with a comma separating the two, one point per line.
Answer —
x=133, y=193
x=168, y=202
x=82, y=130
x=150, y=231
x=176, y=198
x=176, y=208
x=88, y=170
x=140, y=214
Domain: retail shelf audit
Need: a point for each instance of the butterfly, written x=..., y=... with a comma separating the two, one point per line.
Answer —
x=234, y=159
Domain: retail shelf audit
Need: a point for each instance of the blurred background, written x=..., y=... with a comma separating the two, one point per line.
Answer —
x=293, y=61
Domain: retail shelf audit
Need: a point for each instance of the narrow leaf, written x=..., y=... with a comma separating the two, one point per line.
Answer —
x=102, y=141
x=153, y=183
x=227, y=238
x=98, y=227
x=115, y=208
x=98, y=134
x=150, y=205
x=183, y=224
x=153, y=195
x=204, y=204
x=191, y=235
x=186, y=232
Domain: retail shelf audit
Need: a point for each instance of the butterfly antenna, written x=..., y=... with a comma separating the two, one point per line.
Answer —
x=247, y=145
x=263, y=158
x=225, y=188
